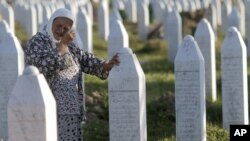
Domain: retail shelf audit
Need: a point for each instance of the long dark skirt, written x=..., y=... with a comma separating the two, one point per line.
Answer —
x=69, y=128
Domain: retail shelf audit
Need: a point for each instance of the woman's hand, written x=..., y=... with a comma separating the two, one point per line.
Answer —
x=109, y=64
x=65, y=41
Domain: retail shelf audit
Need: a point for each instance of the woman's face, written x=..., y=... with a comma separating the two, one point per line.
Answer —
x=61, y=26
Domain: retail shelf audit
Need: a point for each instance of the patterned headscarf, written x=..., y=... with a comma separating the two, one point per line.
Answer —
x=61, y=12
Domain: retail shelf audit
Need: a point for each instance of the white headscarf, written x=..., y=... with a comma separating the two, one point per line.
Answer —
x=61, y=12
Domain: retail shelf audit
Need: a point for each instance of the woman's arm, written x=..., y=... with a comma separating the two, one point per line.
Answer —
x=93, y=65
x=40, y=53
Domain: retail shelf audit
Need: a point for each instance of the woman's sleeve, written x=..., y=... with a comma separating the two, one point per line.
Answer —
x=44, y=57
x=91, y=64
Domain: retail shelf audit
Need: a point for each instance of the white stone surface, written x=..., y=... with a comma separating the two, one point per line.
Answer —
x=234, y=79
x=103, y=19
x=204, y=36
x=234, y=19
x=89, y=9
x=127, y=99
x=190, y=92
x=241, y=7
x=84, y=29
x=158, y=8
x=4, y=28
x=12, y=64
x=31, y=21
x=118, y=37
x=212, y=18
x=8, y=14
x=248, y=27
x=225, y=11
x=143, y=20
x=173, y=29
x=32, y=109
x=131, y=10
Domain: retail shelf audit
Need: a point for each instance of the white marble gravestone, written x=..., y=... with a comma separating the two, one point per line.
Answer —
x=173, y=29
x=84, y=29
x=8, y=14
x=212, y=18
x=89, y=10
x=143, y=20
x=31, y=20
x=103, y=19
x=204, y=36
x=234, y=79
x=225, y=11
x=32, y=109
x=248, y=27
x=127, y=99
x=11, y=66
x=234, y=19
x=4, y=28
x=190, y=92
x=131, y=10
x=241, y=6
x=118, y=37
x=158, y=8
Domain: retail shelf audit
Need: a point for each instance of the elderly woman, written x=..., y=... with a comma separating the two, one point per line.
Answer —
x=52, y=51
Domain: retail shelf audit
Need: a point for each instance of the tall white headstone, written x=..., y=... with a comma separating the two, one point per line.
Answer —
x=204, y=36
x=190, y=105
x=84, y=29
x=234, y=79
x=118, y=37
x=234, y=19
x=103, y=19
x=212, y=18
x=131, y=10
x=31, y=21
x=32, y=109
x=173, y=29
x=127, y=99
x=225, y=11
x=8, y=14
x=248, y=27
x=143, y=20
x=158, y=8
x=11, y=66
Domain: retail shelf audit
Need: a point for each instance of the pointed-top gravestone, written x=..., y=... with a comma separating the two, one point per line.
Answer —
x=32, y=109
x=84, y=29
x=173, y=31
x=115, y=15
x=248, y=27
x=8, y=14
x=234, y=19
x=4, y=28
x=103, y=19
x=234, y=79
x=158, y=8
x=190, y=92
x=131, y=10
x=127, y=99
x=204, y=36
x=143, y=20
x=12, y=64
x=118, y=38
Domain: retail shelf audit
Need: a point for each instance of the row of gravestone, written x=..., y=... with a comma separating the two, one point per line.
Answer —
x=38, y=12
x=190, y=79
x=23, y=106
